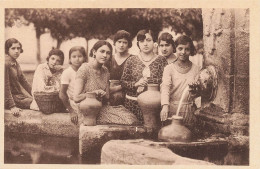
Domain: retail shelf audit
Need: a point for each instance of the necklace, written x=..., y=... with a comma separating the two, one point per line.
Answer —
x=146, y=60
x=184, y=67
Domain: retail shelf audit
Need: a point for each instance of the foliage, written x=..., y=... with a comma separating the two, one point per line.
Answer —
x=67, y=23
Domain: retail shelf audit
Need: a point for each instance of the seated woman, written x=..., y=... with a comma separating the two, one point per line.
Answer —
x=177, y=77
x=140, y=70
x=94, y=77
x=77, y=56
x=115, y=65
x=167, y=47
x=47, y=75
x=17, y=89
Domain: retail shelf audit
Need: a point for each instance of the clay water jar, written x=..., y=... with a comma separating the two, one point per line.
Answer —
x=116, y=98
x=175, y=132
x=90, y=108
x=150, y=104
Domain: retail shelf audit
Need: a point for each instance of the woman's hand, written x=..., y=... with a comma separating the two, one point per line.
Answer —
x=74, y=117
x=164, y=112
x=99, y=94
x=16, y=111
x=142, y=82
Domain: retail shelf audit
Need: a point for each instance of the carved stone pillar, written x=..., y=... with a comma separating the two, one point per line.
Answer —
x=226, y=46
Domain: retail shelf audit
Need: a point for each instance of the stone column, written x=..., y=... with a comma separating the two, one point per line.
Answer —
x=226, y=46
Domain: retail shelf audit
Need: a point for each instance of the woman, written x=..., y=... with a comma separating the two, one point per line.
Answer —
x=177, y=77
x=47, y=75
x=17, y=88
x=94, y=77
x=115, y=65
x=167, y=47
x=140, y=70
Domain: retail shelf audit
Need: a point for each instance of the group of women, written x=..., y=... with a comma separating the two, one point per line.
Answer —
x=172, y=70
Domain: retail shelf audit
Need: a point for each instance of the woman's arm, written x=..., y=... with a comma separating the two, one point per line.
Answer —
x=79, y=86
x=64, y=97
x=26, y=85
x=127, y=82
x=39, y=83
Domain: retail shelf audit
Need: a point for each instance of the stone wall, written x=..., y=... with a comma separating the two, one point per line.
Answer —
x=226, y=46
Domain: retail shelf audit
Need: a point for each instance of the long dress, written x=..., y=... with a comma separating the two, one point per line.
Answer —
x=93, y=81
x=43, y=78
x=116, y=72
x=133, y=72
x=17, y=89
x=173, y=86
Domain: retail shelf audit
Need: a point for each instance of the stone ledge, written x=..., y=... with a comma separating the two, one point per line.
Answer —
x=35, y=122
x=143, y=152
x=92, y=138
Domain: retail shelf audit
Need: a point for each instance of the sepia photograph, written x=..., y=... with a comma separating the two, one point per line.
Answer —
x=127, y=86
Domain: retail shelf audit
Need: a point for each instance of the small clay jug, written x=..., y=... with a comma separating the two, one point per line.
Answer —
x=116, y=98
x=175, y=132
x=90, y=108
x=150, y=104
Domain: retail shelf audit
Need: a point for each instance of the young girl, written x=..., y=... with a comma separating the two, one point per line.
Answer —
x=140, y=70
x=94, y=77
x=115, y=65
x=167, y=47
x=17, y=88
x=77, y=56
x=47, y=75
x=176, y=77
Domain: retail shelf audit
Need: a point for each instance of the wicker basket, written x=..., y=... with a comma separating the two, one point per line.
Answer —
x=49, y=102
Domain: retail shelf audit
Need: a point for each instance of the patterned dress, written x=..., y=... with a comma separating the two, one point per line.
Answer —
x=108, y=114
x=133, y=72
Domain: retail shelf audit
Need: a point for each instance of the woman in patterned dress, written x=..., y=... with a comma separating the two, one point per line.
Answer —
x=140, y=70
x=94, y=77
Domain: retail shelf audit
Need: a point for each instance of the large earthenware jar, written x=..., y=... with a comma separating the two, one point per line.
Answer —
x=90, y=108
x=175, y=132
x=116, y=98
x=150, y=104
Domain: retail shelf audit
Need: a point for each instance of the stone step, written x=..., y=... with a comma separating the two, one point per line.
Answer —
x=143, y=152
x=35, y=122
x=92, y=138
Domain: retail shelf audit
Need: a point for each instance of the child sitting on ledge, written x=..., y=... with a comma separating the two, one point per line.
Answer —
x=47, y=75
x=17, y=88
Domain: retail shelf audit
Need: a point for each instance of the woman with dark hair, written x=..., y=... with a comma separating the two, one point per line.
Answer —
x=94, y=77
x=47, y=75
x=115, y=65
x=167, y=47
x=177, y=77
x=17, y=88
x=140, y=70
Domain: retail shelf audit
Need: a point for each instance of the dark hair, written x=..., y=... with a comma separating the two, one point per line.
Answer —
x=81, y=49
x=141, y=35
x=183, y=40
x=122, y=34
x=99, y=44
x=10, y=42
x=57, y=52
x=168, y=38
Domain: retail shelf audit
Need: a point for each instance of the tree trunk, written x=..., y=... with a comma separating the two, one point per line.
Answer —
x=59, y=41
x=38, y=54
x=87, y=50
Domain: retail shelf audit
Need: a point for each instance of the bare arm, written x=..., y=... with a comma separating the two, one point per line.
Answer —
x=78, y=90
